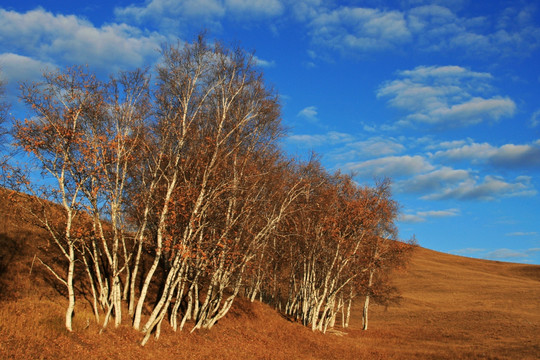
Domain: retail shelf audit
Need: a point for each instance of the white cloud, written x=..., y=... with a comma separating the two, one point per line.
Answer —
x=473, y=152
x=438, y=28
x=444, y=72
x=170, y=15
x=429, y=26
x=445, y=183
x=423, y=216
x=166, y=10
x=371, y=148
x=471, y=112
x=410, y=218
x=439, y=213
x=264, y=63
x=67, y=40
x=467, y=251
x=16, y=68
x=354, y=29
x=310, y=113
x=304, y=10
x=447, y=144
x=310, y=141
x=445, y=96
x=503, y=254
x=390, y=166
x=506, y=156
x=433, y=181
x=513, y=156
x=255, y=7
x=511, y=254
x=491, y=188
x=358, y=29
x=349, y=148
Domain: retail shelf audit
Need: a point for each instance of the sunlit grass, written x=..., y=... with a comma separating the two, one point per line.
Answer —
x=452, y=308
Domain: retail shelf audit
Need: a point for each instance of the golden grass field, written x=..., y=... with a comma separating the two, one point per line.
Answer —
x=452, y=308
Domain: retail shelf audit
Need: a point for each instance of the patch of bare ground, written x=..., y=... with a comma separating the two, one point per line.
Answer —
x=452, y=308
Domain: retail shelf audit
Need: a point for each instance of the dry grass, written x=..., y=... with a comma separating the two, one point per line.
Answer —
x=452, y=308
x=456, y=307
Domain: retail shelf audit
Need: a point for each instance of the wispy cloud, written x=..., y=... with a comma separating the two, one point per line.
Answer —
x=390, y=166
x=163, y=12
x=452, y=144
x=416, y=170
x=535, y=118
x=423, y=216
x=445, y=97
x=310, y=141
x=310, y=113
x=523, y=156
x=433, y=182
x=304, y=10
x=264, y=63
x=468, y=251
x=358, y=29
x=502, y=254
x=173, y=15
x=367, y=149
x=439, y=28
x=433, y=26
x=522, y=233
x=511, y=255
x=488, y=189
x=258, y=8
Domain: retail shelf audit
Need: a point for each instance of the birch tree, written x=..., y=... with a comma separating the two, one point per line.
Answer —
x=382, y=254
x=206, y=240
x=114, y=138
x=184, y=83
x=334, y=222
x=54, y=137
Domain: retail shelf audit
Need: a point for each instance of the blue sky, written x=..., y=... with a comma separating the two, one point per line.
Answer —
x=441, y=96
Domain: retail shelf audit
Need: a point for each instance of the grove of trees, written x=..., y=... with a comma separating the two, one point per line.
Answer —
x=175, y=198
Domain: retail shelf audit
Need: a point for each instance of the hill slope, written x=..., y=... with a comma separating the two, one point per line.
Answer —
x=456, y=307
x=453, y=307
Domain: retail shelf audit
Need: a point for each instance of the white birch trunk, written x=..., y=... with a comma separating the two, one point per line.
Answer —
x=157, y=257
x=70, y=289
x=365, y=309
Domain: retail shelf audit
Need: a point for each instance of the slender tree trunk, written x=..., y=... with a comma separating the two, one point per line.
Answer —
x=93, y=287
x=176, y=307
x=365, y=313
x=159, y=249
x=117, y=300
x=134, y=273
x=187, y=314
x=366, y=302
x=71, y=292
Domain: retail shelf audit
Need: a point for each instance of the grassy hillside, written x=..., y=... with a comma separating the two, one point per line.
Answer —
x=452, y=308
x=456, y=307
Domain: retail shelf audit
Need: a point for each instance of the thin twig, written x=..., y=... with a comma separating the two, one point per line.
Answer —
x=32, y=266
